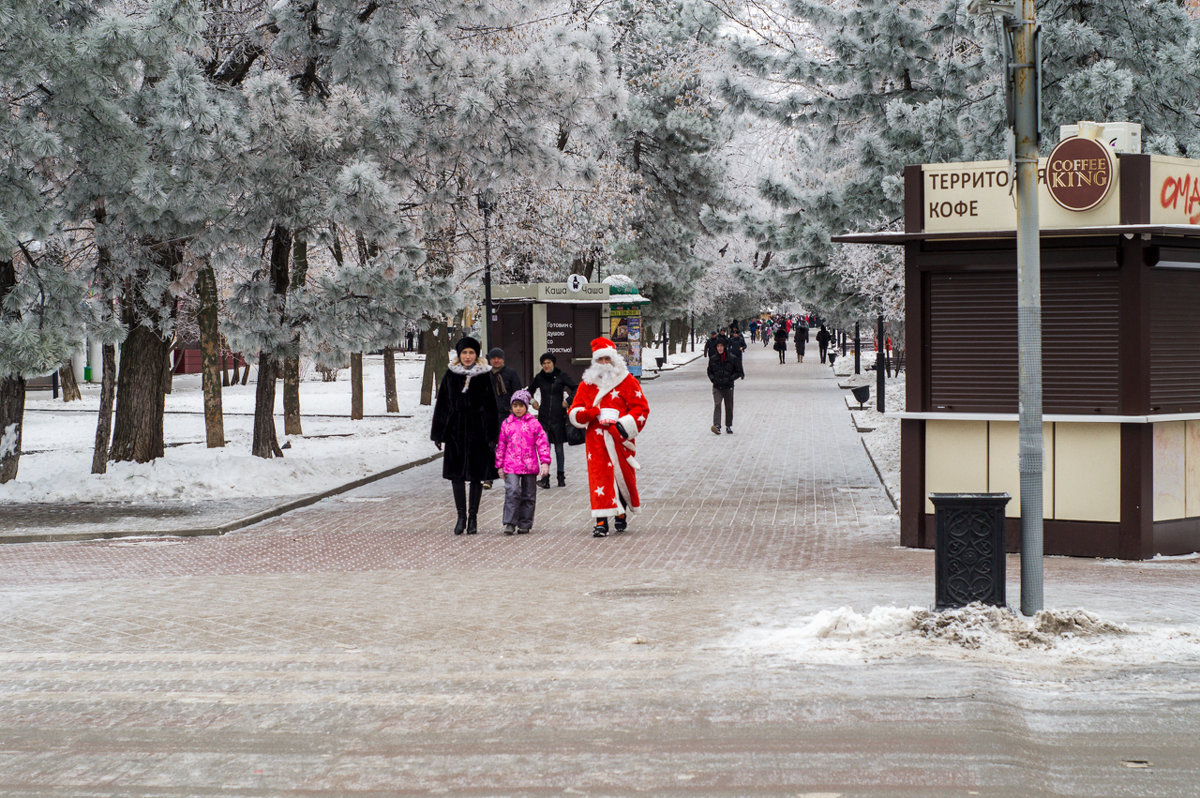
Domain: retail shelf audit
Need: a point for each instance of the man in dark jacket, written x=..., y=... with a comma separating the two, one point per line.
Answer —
x=505, y=383
x=723, y=369
x=737, y=342
x=710, y=346
x=823, y=339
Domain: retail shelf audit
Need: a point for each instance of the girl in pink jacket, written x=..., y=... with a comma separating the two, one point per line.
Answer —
x=522, y=455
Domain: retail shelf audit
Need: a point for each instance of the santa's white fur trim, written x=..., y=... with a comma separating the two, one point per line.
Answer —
x=607, y=352
x=573, y=420
x=605, y=376
x=619, y=476
x=629, y=424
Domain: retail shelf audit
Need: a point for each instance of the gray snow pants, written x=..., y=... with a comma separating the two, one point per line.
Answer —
x=520, y=499
x=718, y=396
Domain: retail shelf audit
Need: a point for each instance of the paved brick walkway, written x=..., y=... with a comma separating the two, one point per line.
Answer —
x=357, y=647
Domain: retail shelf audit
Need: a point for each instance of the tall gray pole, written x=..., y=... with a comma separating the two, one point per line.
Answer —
x=1029, y=307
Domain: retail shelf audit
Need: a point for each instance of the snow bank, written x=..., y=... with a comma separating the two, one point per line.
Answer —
x=974, y=632
x=57, y=438
x=843, y=366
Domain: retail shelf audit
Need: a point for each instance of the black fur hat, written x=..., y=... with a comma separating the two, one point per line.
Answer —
x=467, y=342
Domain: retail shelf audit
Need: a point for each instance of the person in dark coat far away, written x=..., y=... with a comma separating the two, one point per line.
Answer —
x=823, y=339
x=710, y=345
x=465, y=422
x=554, y=388
x=724, y=368
x=781, y=336
x=801, y=339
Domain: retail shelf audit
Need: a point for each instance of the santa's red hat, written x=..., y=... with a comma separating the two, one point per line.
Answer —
x=602, y=347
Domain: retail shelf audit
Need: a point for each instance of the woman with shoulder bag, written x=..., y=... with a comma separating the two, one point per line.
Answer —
x=554, y=389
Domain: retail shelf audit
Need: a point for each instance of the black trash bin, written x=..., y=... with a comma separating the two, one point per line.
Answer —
x=969, y=548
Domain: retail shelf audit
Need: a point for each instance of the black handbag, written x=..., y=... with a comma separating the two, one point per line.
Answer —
x=575, y=435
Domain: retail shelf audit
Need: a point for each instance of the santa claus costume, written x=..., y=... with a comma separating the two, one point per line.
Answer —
x=612, y=409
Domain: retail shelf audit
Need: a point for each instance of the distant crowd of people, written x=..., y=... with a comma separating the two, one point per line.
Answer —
x=725, y=347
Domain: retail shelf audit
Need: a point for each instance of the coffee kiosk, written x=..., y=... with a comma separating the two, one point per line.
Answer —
x=563, y=318
x=1120, y=255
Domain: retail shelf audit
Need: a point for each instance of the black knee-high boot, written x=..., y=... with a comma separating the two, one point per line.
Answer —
x=460, y=503
x=473, y=509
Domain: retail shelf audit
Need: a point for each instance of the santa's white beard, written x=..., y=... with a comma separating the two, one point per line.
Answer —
x=605, y=375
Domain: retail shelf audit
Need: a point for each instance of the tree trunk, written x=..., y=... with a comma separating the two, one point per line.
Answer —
x=225, y=353
x=138, y=428
x=246, y=373
x=291, y=364
x=210, y=356
x=389, y=380
x=236, y=378
x=437, y=350
x=66, y=378
x=680, y=332
x=265, y=444
x=356, y=386
x=12, y=395
x=108, y=352
x=291, y=393
x=12, y=413
x=108, y=390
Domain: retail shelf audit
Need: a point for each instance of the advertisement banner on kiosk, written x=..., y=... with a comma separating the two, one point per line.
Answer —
x=625, y=330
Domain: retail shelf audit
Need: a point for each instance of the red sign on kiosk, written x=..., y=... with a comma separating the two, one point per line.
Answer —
x=1079, y=173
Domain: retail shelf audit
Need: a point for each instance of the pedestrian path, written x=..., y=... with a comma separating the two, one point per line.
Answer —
x=791, y=484
x=358, y=648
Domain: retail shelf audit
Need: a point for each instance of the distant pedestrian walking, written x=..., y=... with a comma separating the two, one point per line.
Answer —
x=710, y=344
x=823, y=339
x=554, y=389
x=801, y=339
x=724, y=368
x=781, y=336
x=522, y=455
x=466, y=424
x=611, y=407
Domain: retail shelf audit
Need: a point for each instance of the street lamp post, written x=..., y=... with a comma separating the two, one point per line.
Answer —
x=1021, y=32
x=1029, y=305
x=486, y=203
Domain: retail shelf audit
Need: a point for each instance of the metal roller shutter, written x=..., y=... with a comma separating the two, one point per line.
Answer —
x=972, y=342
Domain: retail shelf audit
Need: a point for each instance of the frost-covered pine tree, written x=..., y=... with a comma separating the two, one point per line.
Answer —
x=872, y=86
x=47, y=73
x=671, y=135
x=149, y=134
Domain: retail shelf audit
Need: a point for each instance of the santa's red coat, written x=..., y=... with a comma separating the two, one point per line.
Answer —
x=612, y=467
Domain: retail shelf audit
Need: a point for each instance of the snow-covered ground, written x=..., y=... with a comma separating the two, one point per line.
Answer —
x=976, y=633
x=58, y=440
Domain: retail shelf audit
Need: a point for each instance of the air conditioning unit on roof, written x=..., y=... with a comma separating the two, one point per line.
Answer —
x=1121, y=136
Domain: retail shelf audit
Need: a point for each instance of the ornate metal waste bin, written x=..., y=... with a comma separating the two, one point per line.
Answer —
x=969, y=548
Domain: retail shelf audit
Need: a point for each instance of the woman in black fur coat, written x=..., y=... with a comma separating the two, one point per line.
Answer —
x=465, y=422
x=557, y=389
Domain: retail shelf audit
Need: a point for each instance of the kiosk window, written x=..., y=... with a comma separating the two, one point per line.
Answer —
x=586, y=327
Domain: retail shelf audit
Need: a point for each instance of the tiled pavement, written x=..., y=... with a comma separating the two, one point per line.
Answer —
x=356, y=647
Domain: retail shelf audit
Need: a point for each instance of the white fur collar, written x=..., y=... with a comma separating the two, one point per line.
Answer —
x=606, y=376
x=474, y=371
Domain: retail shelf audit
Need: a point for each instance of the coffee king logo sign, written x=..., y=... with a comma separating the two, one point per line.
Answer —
x=1079, y=173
